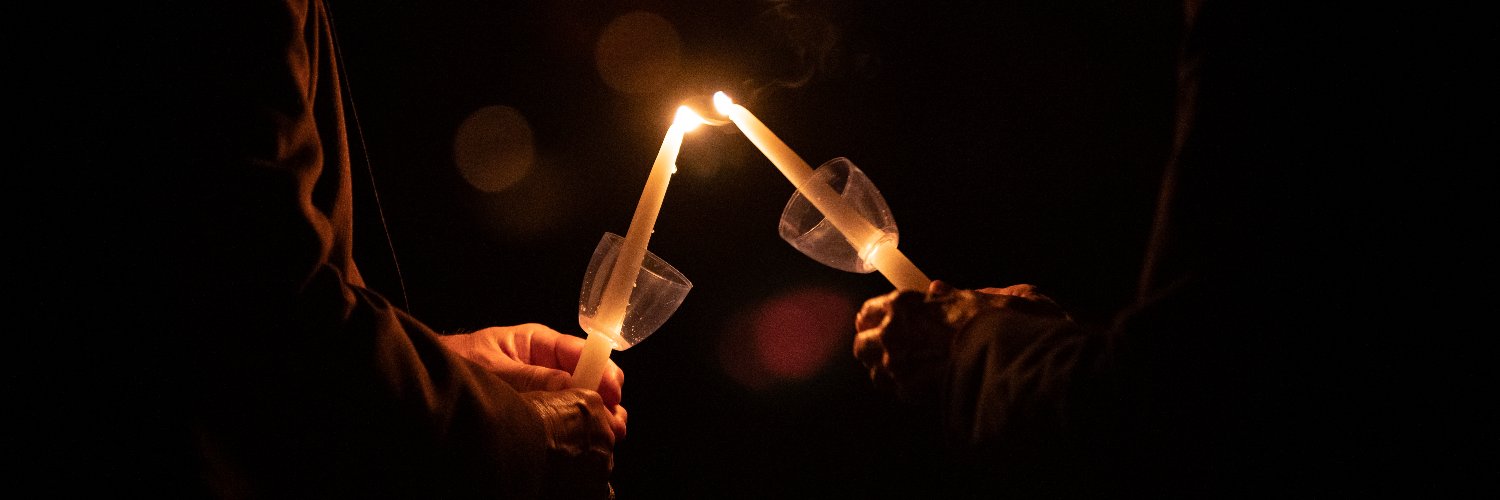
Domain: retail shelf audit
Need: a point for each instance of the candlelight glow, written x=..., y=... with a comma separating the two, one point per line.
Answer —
x=687, y=120
x=704, y=106
x=722, y=102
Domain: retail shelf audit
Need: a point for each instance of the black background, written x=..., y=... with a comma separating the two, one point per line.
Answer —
x=1015, y=142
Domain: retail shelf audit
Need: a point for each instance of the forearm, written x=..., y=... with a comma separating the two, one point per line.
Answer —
x=1023, y=396
x=360, y=391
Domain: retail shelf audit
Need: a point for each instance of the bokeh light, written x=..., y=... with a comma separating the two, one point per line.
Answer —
x=494, y=148
x=638, y=53
x=788, y=337
x=536, y=207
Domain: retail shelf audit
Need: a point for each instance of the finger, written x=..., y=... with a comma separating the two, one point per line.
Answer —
x=1019, y=290
x=539, y=344
x=611, y=385
x=603, y=417
x=1022, y=290
x=618, y=420
x=559, y=351
x=868, y=347
x=938, y=287
x=535, y=378
x=872, y=313
x=907, y=312
x=1034, y=301
x=564, y=351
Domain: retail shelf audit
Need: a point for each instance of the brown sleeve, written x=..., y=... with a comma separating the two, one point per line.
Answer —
x=216, y=332
x=338, y=391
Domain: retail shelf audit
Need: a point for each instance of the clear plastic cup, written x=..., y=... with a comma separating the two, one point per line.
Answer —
x=659, y=290
x=807, y=230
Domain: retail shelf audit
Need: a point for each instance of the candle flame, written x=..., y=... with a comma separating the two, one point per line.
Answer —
x=722, y=102
x=686, y=119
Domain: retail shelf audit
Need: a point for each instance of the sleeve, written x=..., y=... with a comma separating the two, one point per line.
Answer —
x=1186, y=392
x=335, y=391
x=1023, y=406
x=231, y=340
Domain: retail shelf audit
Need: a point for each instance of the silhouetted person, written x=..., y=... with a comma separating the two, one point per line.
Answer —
x=1244, y=367
x=202, y=328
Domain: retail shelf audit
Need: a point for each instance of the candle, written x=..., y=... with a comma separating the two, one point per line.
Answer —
x=610, y=318
x=872, y=244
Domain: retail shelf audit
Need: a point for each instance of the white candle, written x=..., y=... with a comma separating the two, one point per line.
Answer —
x=869, y=242
x=610, y=318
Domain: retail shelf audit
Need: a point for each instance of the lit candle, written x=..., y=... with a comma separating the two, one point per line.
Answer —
x=870, y=242
x=610, y=318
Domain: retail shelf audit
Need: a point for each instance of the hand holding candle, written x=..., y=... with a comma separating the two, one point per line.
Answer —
x=605, y=325
x=871, y=243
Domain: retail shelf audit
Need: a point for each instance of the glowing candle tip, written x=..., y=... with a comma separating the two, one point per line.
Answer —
x=686, y=119
x=722, y=102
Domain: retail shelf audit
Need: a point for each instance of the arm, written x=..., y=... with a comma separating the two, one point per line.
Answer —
x=1012, y=376
x=292, y=376
x=533, y=357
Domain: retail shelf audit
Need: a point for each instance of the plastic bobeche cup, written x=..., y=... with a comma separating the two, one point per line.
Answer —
x=659, y=290
x=807, y=230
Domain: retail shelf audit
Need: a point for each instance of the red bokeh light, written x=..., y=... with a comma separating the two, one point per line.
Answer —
x=788, y=337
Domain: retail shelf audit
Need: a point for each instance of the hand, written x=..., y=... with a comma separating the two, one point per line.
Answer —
x=580, y=442
x=532, y=357
x=905, y=337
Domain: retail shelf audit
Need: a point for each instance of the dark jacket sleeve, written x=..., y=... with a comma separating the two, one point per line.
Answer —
x=334, y=390
x=1244, y=367
x=230, y=339
x=1182, y=395
x=1022, y=405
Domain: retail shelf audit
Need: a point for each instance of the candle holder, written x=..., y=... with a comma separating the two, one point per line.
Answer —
x=810, y=232
x=659, y=289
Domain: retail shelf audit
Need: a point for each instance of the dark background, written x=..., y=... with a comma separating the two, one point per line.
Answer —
x=1015, y=142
